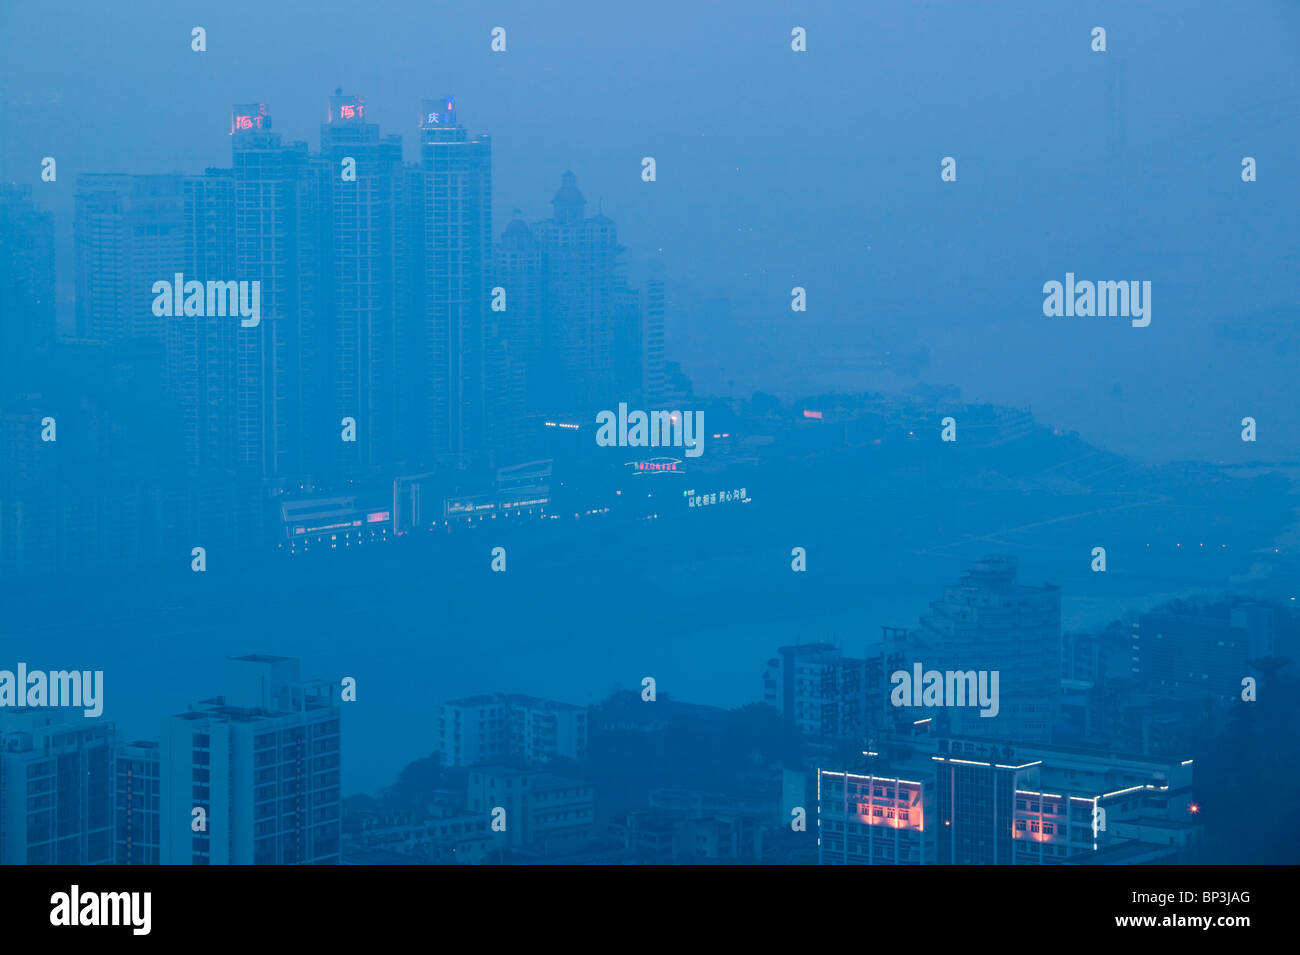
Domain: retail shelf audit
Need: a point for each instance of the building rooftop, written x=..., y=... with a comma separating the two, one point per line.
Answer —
x=1065, y=750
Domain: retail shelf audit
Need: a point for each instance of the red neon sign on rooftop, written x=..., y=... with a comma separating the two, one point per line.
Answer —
x=250, y=116
x=346, y=107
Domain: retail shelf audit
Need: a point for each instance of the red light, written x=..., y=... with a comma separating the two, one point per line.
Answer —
x=1194, y=809
x=812, y=414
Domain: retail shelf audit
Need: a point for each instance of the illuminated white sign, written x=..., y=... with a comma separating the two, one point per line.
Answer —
x=724, y=496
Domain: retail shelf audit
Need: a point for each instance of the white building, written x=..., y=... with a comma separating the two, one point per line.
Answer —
x=263, y=765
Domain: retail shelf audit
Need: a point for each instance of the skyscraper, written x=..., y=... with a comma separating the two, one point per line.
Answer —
x=449, y=247
x=27, y=332
x=280, y=373
x=26, y=286
x=201, y=352
x=628, y=344
x=262, y=763
x=130, y=233
x=518, y=333
x=652, y=343
x=518, y=269
x=583, y=281
x=364, y=194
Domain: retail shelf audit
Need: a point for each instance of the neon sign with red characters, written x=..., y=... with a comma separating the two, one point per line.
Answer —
x=655, y=465
x=250, y=116
x=351, y=108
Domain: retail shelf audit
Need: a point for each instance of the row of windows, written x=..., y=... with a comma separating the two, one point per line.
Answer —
x=879, y=812
x=1047, y=830
x=1052, y=808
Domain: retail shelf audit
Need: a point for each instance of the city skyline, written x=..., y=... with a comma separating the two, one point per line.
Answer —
x=598, y=436
x=515, y=732
x=906, y=289
x=380, y=299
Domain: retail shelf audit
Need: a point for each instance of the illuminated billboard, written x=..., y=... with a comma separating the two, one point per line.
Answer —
x=347, y=109
x=724, y=496
x=656, y=466
x=511, y=505
x=469, y=506
x=438, y=112
x=249, y=116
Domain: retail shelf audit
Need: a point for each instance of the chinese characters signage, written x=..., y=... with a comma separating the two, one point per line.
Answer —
x=725, y=496
x=250, y=116
x=347, y=109
x=438, y=112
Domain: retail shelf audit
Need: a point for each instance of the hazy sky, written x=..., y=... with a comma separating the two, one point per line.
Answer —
x=818, y=169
